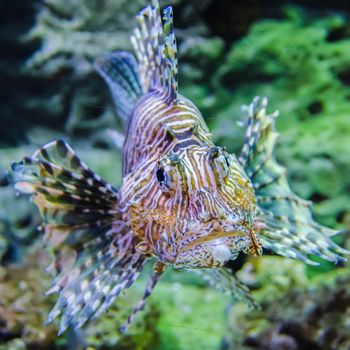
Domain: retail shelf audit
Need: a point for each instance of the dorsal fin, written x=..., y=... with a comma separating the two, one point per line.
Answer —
x=119, y=70
x=155, y=46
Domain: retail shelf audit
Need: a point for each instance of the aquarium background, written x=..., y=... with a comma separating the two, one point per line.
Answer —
x=295, y=53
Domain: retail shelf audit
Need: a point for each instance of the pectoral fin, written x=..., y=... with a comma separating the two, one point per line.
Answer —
x=290, y=229
x=95, y=259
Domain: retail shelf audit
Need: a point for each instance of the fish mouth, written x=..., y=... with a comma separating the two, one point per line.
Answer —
x=211, y=238
x=212, y=250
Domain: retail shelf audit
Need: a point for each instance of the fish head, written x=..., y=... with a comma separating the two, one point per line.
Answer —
x=220, y=216
x=199, y=210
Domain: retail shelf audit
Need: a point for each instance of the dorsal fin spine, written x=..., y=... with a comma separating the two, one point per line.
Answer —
x=155, y=46
x=171, y=50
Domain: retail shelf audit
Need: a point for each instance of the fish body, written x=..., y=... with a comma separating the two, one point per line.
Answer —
x=183, y=201
x=172, y=207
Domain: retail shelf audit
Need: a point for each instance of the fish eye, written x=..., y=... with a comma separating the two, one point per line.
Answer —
x=223, y=166
x=163, y=179
x=221, y=162
x=160, y=175
x=167, y=172
x=227, y=161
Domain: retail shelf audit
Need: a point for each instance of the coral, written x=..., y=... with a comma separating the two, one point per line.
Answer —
x=23, y=305
x=297, y=312
x=175, y=310
x=24, y=308
x=72, y=36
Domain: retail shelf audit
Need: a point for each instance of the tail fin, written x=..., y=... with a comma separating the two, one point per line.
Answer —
x=94, y=256
x=290, y=229
x=120, y=71
x=156, y=51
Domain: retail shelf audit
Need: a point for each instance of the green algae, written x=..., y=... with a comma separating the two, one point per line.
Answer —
x=178, y=317
x=191, y=317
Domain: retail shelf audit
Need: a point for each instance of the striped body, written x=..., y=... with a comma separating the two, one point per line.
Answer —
x=209, y=200
x=157, y=127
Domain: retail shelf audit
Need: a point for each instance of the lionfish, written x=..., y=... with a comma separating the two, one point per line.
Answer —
x=183, y=200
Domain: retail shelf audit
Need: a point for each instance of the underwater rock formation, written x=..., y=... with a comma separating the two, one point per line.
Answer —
x=23, y=305
x=24, y=308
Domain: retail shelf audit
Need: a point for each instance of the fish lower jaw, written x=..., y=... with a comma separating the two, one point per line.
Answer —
x=212, y=253
x=212, y=238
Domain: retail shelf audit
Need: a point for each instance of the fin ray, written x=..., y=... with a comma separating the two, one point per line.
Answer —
x=290, y=228
x=95, y=259
x=225, y=281
x=157, y=273
x=155, y=46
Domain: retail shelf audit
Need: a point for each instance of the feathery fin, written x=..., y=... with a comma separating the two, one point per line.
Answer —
x=95, y=259
x=224, y=280
x=157, y=273
x=290, y=228
x=156, y=50
x=120, y=71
